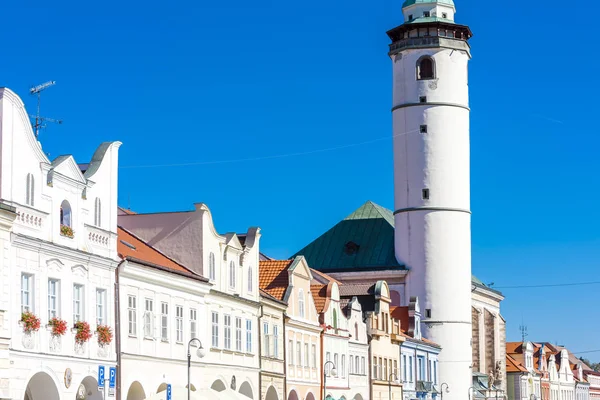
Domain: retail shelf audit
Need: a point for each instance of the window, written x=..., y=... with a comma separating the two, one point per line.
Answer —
x=428, y=313
x=29, y=199
x=343, y=366
x=248, y=336
x=423, y=99
x=290, y=352
x=100, y=306
x=275, y=341
x=26, y=292
x=227, y=332
x=193, y=323
x=410, y=17
x=425, y=68
x=335, y=319
x=132, y=315
x=232, y=275
x=298, y=354
x=250, y=282
x=65, y=213
x=356, y=331
x=362, y=365
x=335, y=362
x=375, y=370
x=314, y=355
x=351, y=367
x=77, y=303
x=435, y=372
x=97, y=212
x=301, y=303
x=395, y=370
x=212, y=273
x=179, y=324
x=306, y=355
x=410, y=368
x=149, y=318
x=53, y=298
x=266, y=339
x=215, y=329
x=425, y=195
x=164, y=321
x=357, y=366
x=404, y=368
x=238, y=334
x=385, y=369
x=423, y=128
x=327, y=359
x=421, y=368
x=426, y=14
x=444, y=15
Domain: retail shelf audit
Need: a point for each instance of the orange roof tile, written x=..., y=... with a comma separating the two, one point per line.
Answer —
x=512, y=365
x=324, y=276
x=134, y=248
x=273, y=277
x=401, y=314
x=514, y=347
x=319, y=293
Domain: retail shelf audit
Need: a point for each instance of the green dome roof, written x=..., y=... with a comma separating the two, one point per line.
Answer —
x=408, y=3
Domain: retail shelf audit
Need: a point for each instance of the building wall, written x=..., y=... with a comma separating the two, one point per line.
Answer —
x=358, y=349
x=272, y=350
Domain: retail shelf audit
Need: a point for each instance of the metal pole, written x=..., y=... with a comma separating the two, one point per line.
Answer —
x=442, y=389
x=325, y=378
x=189, y=365
x=390, y=382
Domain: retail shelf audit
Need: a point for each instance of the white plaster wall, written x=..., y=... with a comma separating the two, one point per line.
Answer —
x=435, y=9
x=436, y=245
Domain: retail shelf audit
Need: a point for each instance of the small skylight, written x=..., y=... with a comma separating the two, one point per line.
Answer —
x=128, y=245
x=351, y=248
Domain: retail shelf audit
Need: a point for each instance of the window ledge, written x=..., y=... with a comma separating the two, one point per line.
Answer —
x=181, y=343
x=149, y=338
x=164, y=340
x=215, y=349
x=132, y=336
x=228, y=351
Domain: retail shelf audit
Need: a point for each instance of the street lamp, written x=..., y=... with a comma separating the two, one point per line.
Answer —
x=469, y=394
x=333, y=373
x=442, y=389
x=200, y=353
x=390, y=382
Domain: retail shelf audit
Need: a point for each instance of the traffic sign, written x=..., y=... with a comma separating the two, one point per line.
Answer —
x=169, y=392
x=112, y=380
x=100, y=377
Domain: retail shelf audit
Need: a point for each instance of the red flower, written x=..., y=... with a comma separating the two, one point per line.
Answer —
x=31, y=323
x=84, y=332
x=59, y=326
x=104, y=335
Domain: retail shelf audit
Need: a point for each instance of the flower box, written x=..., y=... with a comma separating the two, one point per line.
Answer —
x=29, y=322
x=67, y=231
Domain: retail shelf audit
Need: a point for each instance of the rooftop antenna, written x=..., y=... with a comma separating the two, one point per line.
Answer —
x=39, y=120
x=524, y=333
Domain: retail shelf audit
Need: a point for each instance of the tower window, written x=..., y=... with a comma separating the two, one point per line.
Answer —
x=426, y=14
x=428, y=313
x=444, y=15
x=425, y=68
x=423, y=128
x=423, y=99
x=410, y=17
x=425, y=194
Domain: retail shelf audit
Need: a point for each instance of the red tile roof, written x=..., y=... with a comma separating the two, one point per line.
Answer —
x=512, y=365
x=319, y=294
x=133, y=248
x=401, y=314
x=273, y=277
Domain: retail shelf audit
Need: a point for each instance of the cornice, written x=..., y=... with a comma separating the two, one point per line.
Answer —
x=139, y=272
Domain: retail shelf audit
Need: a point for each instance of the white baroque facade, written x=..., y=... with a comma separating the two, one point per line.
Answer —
x=230, y=263
x=58, y=246
x=358, y=349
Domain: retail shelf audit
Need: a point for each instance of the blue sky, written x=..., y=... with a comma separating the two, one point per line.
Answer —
x=225, y=85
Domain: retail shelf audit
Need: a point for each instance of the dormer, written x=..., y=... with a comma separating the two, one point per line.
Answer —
x=528, y=355
x=415, y=11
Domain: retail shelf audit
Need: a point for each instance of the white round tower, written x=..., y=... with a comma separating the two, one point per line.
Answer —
x=432, y=214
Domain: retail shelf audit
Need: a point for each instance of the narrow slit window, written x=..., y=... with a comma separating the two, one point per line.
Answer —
x=425, y=194
x=425, y=68
x=428, y=313
x=423, y=128
x=423, y=99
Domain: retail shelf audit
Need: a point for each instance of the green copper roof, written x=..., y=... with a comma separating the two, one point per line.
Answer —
x=409, y=3
x=364, y=240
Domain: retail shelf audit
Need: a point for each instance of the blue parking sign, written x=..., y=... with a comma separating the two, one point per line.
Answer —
x=100, y=377
x=169, y=391
x=112, y=377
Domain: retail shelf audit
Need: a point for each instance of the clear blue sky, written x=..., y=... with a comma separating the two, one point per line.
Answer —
x=187, y=81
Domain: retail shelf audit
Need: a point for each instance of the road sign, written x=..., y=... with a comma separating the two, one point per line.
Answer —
x=112, y=380
x=100, y=377
x=169, y=392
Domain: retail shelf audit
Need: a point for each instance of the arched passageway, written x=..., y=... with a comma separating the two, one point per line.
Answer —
x=358, y=397
x=136, y=392
x=161, y=388
x=310, y=396
x=271, y=394
x=89, y=385
x=293, y=395
x=41, y=387
x=246, y=390
x=218, y=386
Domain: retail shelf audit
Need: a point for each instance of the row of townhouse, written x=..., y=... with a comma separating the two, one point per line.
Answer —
x=165, y=300
x=542, y=371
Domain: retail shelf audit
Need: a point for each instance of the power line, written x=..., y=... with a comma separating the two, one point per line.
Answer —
x=546, y=285
x=301, y=153
x=585, y=352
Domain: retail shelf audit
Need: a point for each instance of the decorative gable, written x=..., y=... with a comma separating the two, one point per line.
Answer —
x=65, y=166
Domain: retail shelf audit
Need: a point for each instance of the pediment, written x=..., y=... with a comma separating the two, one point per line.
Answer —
x=67, y=167
x=232, y=240
x=79, y=270
x=54, y=264
x=299, y=268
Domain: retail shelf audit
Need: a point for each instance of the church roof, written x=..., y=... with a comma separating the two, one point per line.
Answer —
x=409, y=3
x=363, y=241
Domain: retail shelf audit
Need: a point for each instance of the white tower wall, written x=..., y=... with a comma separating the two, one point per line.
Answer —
x=433, y=235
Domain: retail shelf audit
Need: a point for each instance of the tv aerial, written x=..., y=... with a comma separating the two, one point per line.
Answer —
x=40, y=122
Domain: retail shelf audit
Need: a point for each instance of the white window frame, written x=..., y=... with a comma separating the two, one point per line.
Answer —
x=30, y=191
x=148, y=318
x=78, y=302
x=215, y=329
x=343, y=366
x=179, y=324
x=306, y=355
x=301, y=303
x=238, y=334
x=98, y=212
x=132, y=315
x=53, y=298
x=249, y=336
x=164, y=321
x=250, y=280
x=275, y=341
x=290, y=352
x=232, y=274
x=193, y=323
x=314, y=355
x=298, y=353
x=266, y=340
x=27, y=293
x=100, y=306
x=227, y=334
x=212, y=271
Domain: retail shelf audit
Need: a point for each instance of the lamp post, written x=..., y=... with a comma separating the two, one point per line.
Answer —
x=200, y=353
x=333, y=373
x=469, y=393
x=442, y=389
x=390, y=382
